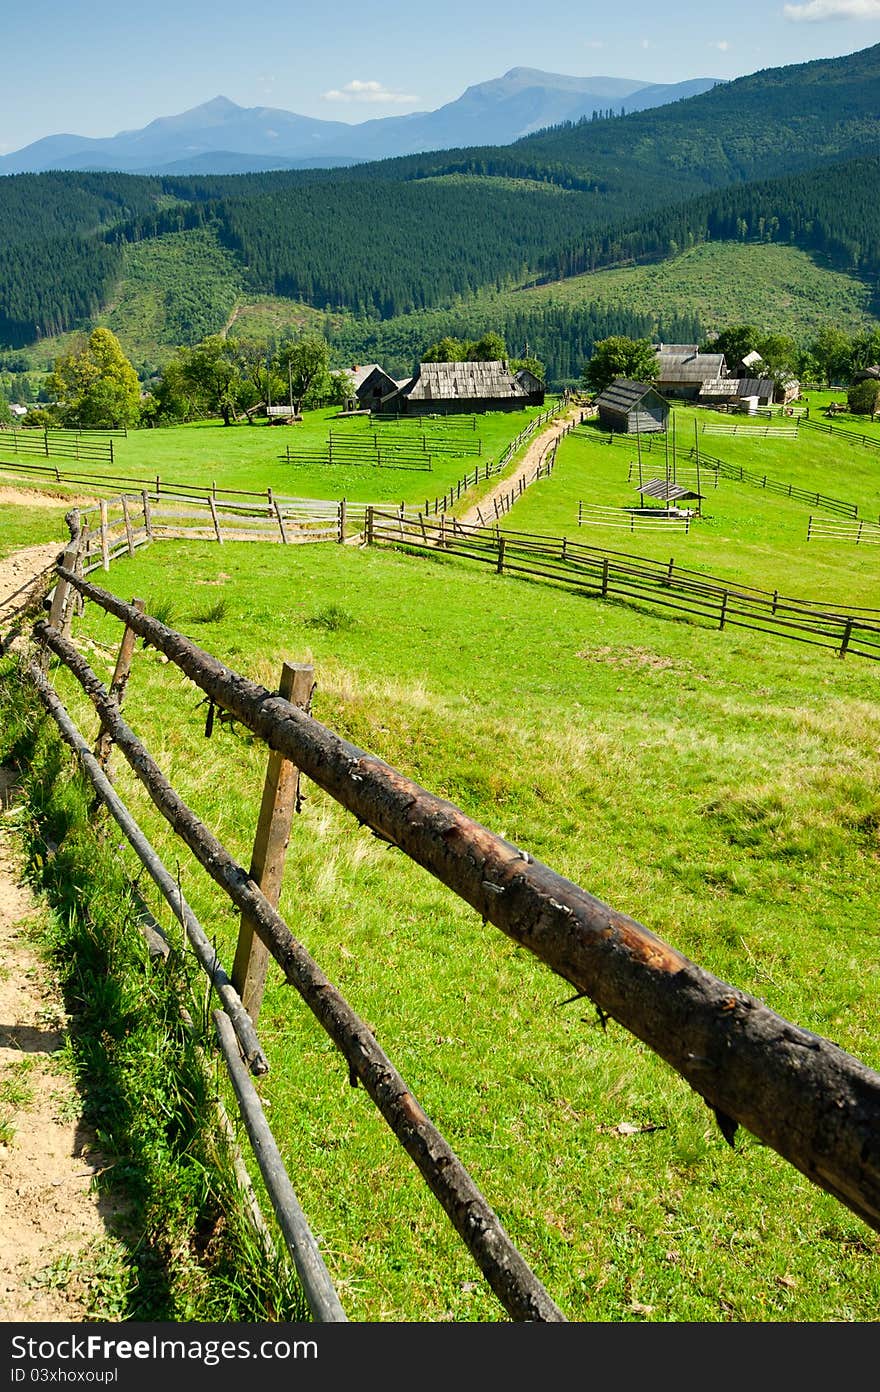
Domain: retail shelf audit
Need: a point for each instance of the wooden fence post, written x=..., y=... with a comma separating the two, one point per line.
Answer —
x=57, y=616
x=215, y=519
x=148, y=516
x=341, y=536
x=128, y=536
x=723, y=614
x=369, y=528
x=280, y=520
x=844, y=642
x=500, y=565
x=280, y=792
x=605, y=577
x=104, y=742
x=105, y=544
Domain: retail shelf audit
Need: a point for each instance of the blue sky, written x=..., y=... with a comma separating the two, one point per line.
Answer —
x=94, y=67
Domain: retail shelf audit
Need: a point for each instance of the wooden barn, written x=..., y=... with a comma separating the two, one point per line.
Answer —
x=683, y=371
x=634, y=408
x=372, y=385
x=447, y=387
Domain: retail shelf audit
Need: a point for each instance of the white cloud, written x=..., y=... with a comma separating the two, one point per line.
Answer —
x=358, y=91
x=833, y=9
x=721, y=44
x=646, y=43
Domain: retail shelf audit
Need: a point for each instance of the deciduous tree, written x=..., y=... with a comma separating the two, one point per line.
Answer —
x=95, y=385
x=633, y=358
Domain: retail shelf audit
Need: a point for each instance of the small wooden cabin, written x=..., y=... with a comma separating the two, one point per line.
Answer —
x=633, y=408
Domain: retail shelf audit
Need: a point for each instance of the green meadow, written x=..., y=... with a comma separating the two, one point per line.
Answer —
x=745, y=533
x=722, y=788
x=254, y=458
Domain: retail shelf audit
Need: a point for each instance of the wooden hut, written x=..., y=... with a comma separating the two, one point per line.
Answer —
x=683, y=371
x=634, y=408
x=447, y=387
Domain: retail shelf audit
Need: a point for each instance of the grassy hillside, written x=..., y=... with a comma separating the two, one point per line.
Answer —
x=720, y=787
x=780, y=287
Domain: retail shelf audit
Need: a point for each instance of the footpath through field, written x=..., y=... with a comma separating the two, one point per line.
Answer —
x=50, y=1218
x=525, y=469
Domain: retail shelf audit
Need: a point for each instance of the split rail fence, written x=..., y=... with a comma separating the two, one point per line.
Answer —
x=815, y=1105
x=862, y=532
x=120, y=526
x=611, y=574
x=57, y=444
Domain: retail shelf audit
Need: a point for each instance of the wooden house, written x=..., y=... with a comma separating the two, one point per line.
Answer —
x=632, y=407
x=683, y=371
x=372, y=385
x=447, y=387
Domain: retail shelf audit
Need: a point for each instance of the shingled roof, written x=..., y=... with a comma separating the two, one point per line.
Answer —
x=689, y=366
x=622, y=394
x=457, y=381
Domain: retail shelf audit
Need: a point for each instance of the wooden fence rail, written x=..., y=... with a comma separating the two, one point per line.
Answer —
x=813, y=1103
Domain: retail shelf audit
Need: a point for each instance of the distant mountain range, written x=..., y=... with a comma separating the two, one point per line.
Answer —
x=220, y=137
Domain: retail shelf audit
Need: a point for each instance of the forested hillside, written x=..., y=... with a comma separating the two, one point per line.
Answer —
x=408, y=235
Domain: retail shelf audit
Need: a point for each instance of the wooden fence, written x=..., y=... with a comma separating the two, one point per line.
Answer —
x=610, y=574
x=861, y=532
x=852, y=437
x=762, y=432
x=709, y=463
x=56, y=444
x=489, y=470
x=815, y=1105
x=631, y=519
x=119, y=526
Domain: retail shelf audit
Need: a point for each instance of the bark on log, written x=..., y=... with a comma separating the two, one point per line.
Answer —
x=813, y=1103
x=509, y=1276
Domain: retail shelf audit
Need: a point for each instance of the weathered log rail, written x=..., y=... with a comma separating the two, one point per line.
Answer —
x=814, y=1104
x=507, y=1273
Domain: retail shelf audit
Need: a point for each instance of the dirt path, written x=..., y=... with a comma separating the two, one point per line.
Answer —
x=49, y=1216
x=480, y=513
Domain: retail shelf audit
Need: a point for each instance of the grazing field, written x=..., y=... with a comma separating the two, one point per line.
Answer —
x=254, y=458
x=746, y=534
x=721, y=787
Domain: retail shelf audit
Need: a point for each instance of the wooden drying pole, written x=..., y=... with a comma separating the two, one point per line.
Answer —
x=813, y=1103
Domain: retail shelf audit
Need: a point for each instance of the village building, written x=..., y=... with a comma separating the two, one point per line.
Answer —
x=372, y=386
x=447, y=387
x=632, y=407
x=683, y=371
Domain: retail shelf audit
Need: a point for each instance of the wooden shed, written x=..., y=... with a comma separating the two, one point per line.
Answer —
x=447, y=387
x=372, y=386
x=682, y=370
x=633, y=408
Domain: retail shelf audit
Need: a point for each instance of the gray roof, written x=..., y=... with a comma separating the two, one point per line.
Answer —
x=456, y=381
x=360, y=372
x=622, y=394
x=688, y=366
x=668, y=492
x=755, y=386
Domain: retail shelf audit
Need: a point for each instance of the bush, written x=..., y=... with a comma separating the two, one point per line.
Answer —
x=864, y=398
